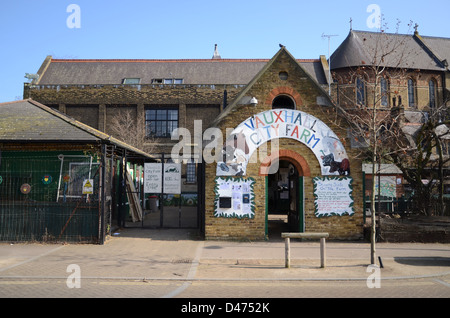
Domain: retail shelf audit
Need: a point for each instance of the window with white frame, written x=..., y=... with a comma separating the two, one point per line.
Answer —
x=167, y=81
x=134, y=80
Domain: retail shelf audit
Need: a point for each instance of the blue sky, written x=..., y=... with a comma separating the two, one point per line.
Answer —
x=135, y=29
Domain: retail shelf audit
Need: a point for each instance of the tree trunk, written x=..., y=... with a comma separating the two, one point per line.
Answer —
x=372, y=208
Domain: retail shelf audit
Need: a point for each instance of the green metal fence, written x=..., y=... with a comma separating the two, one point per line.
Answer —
x=42, y=199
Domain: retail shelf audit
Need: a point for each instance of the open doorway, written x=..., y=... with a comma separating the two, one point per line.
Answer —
x=285, y=200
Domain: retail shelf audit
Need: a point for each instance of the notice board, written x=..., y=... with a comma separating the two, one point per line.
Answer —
x=234, y=198
x=154, y=174
x=333, y=196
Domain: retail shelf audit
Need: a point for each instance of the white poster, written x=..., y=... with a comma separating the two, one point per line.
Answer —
x=172, y=178
x=333, y=196
x=152, y=177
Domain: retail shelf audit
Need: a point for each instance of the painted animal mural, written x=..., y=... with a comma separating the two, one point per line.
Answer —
x=336, y=158
x=235, y=153
x=343, y=167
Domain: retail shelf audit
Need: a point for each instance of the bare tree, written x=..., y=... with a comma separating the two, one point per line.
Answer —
x=369, y=101
x=421, y=153
x=126, y=127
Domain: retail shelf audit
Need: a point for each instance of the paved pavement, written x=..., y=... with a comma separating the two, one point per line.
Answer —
x=174, y=263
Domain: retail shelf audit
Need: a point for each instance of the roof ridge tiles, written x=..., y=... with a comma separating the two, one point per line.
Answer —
x=167, y=60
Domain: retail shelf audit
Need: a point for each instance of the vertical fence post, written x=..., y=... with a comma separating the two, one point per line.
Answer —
x=103, y=195
x=322, y=252
x=287, y=251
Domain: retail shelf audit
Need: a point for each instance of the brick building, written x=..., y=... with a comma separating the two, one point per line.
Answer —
x=246, y=97
x=409, y=73
x=405, y=70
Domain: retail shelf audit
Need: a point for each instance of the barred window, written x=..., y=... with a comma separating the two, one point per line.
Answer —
x=191, y=174
x=161, y=122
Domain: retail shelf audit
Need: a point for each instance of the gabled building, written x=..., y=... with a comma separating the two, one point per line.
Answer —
x=247, y=97
x=398, y=73
x=413, y=70
x=161, y=94
x=221, y=93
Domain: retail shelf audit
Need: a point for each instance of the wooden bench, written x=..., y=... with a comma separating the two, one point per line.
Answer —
x=287, y=238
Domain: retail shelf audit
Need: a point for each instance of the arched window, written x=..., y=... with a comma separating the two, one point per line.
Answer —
x=283, y=101
x=412, y=93
x=360, y=91
x=384, y=90
x=432, y=93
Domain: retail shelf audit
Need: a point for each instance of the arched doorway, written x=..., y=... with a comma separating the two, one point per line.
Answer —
x=284, y=207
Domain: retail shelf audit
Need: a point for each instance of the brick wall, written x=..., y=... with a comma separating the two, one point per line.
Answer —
x=398, y=86
x=305, y=93
x=95, y=105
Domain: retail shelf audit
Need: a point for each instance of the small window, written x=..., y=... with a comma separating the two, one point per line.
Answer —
x=432, y=89
x=168, y=81
x=134, y=80
x=283, y=76
x=360, y=91
x=283, y=101
x=445, y=147
x=384, y=87
x=411, y=93
x=191, y=175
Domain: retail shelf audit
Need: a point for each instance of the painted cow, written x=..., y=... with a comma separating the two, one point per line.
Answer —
x=343, y=167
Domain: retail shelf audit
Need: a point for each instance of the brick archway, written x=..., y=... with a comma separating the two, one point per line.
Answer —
x=285, y=154
x=284, y=90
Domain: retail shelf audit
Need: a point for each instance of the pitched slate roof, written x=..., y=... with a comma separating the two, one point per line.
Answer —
x=390, y=50
x=24, y=121
x=440, y=47
x=193, y=71
x=30, y=121
x=235, y=104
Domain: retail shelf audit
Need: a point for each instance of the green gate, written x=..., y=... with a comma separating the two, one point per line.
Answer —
x=42, y=199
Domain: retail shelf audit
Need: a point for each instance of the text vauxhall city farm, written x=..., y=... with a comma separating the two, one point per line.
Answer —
x=238, y=307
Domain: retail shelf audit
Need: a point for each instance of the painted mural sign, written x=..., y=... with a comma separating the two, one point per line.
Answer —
x=388, y=186
x=283, y=123
x=333, y=196
x=234, y=198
